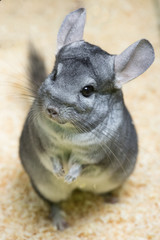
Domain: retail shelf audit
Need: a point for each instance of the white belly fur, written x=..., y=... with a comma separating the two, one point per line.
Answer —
x=61, y=190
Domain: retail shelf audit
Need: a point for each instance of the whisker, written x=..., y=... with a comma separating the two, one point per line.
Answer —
x=104, y=146
x=84, y=130
x=116, y=143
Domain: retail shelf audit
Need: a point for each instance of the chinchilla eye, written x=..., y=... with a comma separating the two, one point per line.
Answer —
x=87, y=91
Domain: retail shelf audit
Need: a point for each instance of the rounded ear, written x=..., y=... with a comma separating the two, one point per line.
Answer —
x=133, y=61
x=72, y=28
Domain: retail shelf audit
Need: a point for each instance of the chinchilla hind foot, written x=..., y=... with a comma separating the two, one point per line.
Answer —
x=58, y=217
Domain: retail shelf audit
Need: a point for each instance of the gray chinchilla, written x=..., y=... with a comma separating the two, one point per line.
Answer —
x=79, y=133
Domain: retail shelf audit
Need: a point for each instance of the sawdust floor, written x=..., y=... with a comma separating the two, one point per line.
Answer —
x=113, y=25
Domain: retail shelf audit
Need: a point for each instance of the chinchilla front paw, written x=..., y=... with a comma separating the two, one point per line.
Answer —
x=57, y=167
x=69, y=178
x=73, y=173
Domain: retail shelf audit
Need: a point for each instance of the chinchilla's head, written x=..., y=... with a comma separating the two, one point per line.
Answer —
x=79, y=88
x=86, y=81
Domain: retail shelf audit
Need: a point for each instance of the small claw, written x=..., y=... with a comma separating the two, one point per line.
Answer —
x=69, y=179
x=59, y=173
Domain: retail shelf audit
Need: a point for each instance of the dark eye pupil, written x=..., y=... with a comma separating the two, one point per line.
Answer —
x=87, y=91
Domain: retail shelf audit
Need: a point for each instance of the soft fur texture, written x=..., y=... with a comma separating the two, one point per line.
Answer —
x=23, y=214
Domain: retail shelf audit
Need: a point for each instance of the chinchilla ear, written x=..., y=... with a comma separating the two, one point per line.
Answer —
x=133, y=61
x=72, y=28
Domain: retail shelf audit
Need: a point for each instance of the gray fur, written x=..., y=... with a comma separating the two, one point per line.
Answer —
x=88, y=143
x=132, y=62
x=72, y=28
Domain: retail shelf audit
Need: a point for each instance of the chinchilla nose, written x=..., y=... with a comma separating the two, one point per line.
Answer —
x=52, y=111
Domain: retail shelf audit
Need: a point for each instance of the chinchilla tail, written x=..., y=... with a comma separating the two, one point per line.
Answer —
x=36, y=69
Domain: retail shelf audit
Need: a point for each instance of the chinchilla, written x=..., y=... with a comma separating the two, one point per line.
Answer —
x=78, y=132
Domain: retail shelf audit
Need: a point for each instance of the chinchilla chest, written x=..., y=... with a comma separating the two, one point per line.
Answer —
x=83, y=149
x=79, y=149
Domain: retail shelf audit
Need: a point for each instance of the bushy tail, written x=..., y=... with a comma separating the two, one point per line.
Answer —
x=36, y=69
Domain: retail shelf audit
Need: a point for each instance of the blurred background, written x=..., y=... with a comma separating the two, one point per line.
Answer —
x=112, y=25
